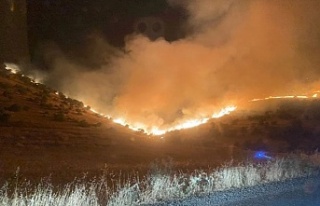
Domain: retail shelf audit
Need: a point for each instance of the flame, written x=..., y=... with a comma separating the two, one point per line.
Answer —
x=224, y=111
x=185, y=124
x=156, y=131
x=119, y=121
x=315, y=95
x=13, y=68
x=191, y=123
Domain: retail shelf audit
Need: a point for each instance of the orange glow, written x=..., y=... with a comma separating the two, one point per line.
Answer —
x=185, y=124
x=224, y=111
x=286, y=97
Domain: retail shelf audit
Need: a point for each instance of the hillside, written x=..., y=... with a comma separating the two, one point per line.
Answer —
x=44, y=132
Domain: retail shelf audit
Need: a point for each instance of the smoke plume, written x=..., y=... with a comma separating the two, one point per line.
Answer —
x=235, y=51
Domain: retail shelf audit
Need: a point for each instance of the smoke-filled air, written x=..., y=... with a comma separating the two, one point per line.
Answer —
x=234, y=51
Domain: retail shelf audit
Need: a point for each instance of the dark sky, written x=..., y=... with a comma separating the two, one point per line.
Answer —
x=68, y=23
x=70, y=17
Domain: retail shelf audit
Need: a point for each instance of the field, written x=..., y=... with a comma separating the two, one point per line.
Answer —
x=160, y=185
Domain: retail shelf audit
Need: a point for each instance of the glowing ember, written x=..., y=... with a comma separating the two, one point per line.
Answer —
x=224, y=111
x=157, y=132
x=120, y=121
x=191, y=123
x=286, y=97
x=93, y=110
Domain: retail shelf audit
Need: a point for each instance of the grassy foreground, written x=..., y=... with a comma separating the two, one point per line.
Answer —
x=160, y=185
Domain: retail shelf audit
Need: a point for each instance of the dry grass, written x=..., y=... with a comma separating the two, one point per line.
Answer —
x=160, y=185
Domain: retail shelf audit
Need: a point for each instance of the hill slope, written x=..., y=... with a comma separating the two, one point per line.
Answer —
x=44, y=132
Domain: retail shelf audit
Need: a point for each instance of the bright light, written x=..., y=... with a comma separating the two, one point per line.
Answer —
x=13, y=68
x=186, y=124
x=302, y=97
x=35, y=78
x=224, y=111
x=120, y=121
x=261, y=155
x=285, y=97
x=156, y=131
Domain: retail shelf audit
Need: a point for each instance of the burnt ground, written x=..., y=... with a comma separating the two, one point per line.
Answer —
x=43, y=132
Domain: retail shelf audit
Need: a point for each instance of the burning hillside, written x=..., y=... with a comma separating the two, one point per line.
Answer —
x=234, y=52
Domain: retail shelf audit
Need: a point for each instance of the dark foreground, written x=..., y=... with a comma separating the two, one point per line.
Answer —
x=297, y=192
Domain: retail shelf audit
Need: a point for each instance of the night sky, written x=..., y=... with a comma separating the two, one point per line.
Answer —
x=236, y=51
x=67, y=21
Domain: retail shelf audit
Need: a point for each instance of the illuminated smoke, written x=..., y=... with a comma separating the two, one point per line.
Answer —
x=236, y=51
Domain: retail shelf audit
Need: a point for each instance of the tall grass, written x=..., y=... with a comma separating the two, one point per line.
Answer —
x=45, y=194
x=160, y=185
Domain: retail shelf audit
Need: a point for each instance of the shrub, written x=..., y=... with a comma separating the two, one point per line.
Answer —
x=78, y=111
x=21, y=90
x=4, y=85
x=13, y=108
x=43, y=100
x=4, y=117
x=47, y=105
x=83, y=123
x=8, y=94
x=25, y=79
x=59, y=117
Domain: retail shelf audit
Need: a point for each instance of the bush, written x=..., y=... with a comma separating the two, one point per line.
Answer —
x=59, y=117
x=8, y=94
x=78, y=111
x=14, y=108
x=25, y=79
x=75, y=103
x=43, y=100
x=83, y=123
x=21, y=90
x=4, y=117
x=4, y=85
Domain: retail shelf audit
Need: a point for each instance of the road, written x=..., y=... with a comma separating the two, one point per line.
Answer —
x=296, y=192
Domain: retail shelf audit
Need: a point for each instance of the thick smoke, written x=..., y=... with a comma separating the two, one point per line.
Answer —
x=236, y=51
